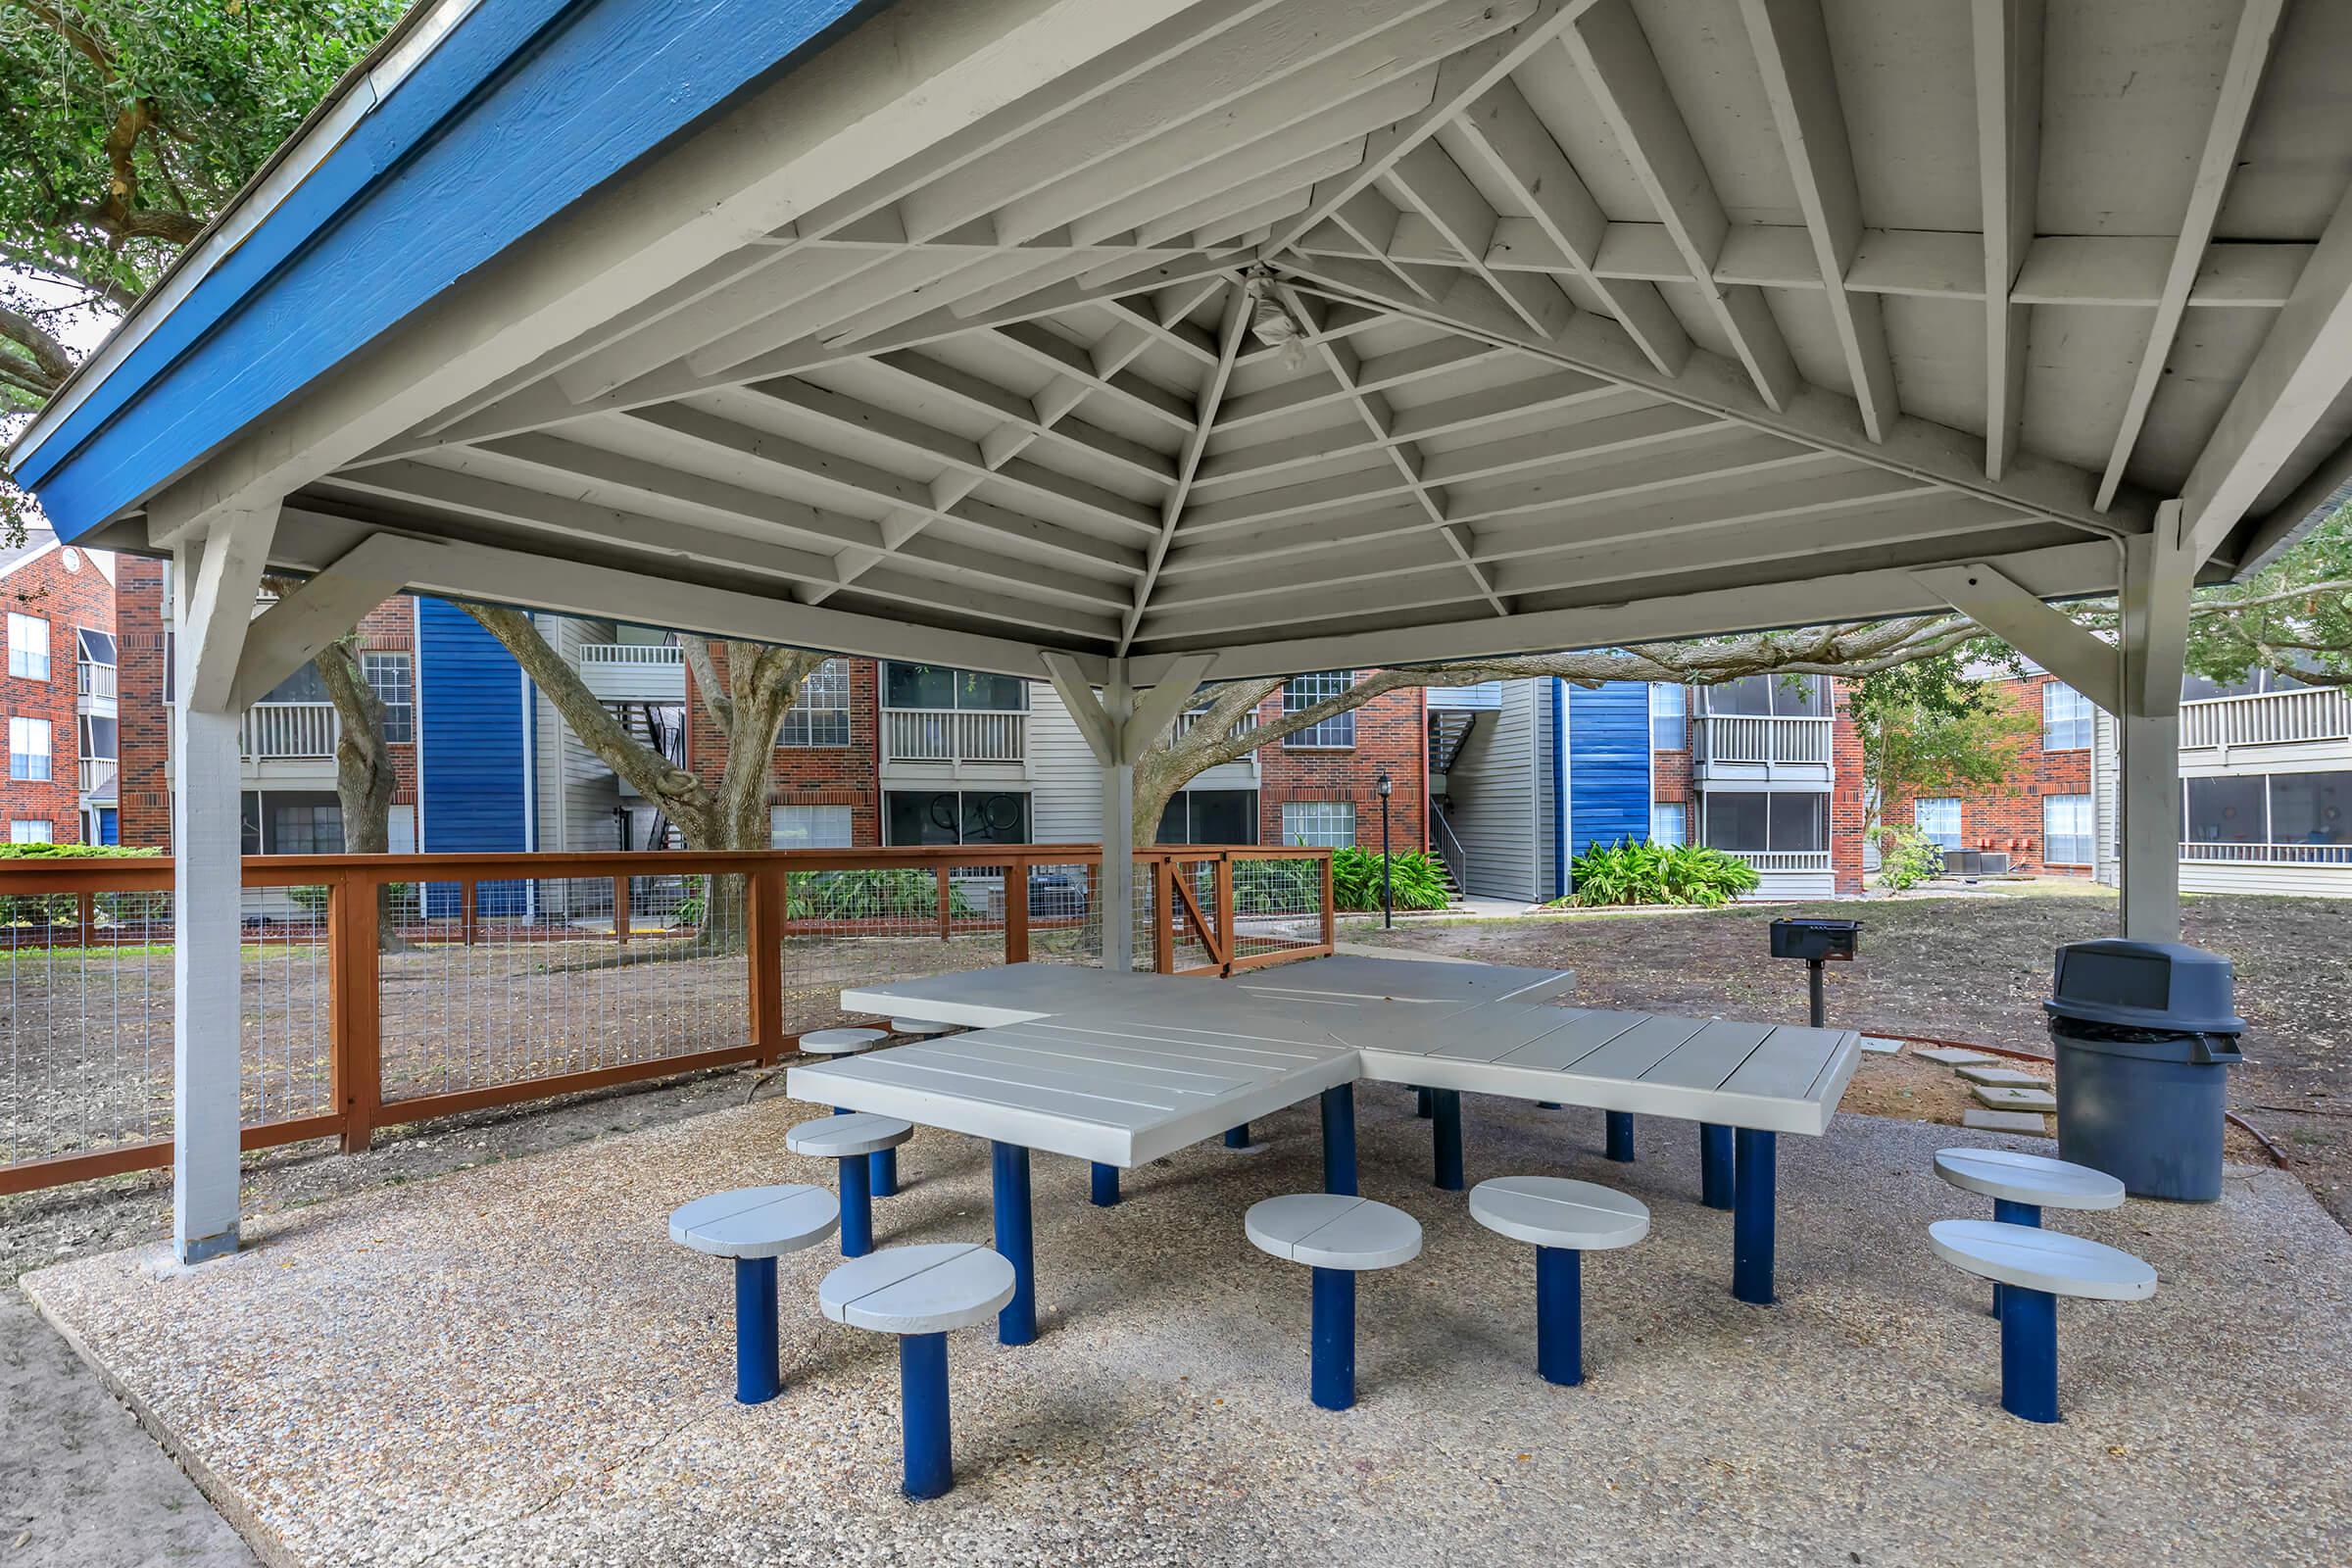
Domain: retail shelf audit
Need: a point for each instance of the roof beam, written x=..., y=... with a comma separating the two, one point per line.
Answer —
x=2017, y=616
x=2007, y=38
x=1791, y=45
x=1613, y=55
x=319, y=612
x=1442, y=194
x=2249, y=53
x=1204, y=417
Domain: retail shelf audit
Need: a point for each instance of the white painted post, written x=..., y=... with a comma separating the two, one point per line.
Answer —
x=2158, y=573
x=1115, y=887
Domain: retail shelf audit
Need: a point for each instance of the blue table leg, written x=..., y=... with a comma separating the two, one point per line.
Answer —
x=1338, y=1140
x=2029, y=1354
x=882, y=1172
x=1421, y=1103
x=1620, y=1125
x=1333, y=1360
x=1752, y=1218
x=1016, y=1324
x=1714, y=1166
x=759, y=1374
x=1238, y=1137
x=1560, y=1315
x=2009, y=1212
x=857, y=1207
x=924, y=1414
x=1106, y=1185
x=1445, y=1137
x=1547, y=1105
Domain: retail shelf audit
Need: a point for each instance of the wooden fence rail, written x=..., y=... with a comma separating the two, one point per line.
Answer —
x=744, y=918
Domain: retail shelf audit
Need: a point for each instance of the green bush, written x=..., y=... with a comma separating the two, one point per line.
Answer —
x=1415, y=881
x=891, y=893
x=58, y=909
x=1906, y=857
x=1267, y=886
x=1631, y=872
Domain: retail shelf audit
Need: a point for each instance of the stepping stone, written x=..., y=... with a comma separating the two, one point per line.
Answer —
x=1952, y=1056
x=1881, y=1046
x=2002, y=1078
x=2029, y=1122
x=2014, y=1099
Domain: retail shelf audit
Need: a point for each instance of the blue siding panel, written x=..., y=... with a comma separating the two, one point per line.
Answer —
x=1608, y=764
x=424, y=190
x=469, y=775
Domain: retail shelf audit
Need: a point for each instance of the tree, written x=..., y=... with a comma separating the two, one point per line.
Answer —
x=2292, y=619
x=1938, y=727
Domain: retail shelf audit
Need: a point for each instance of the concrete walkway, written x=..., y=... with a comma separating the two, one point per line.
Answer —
x=512, y=1364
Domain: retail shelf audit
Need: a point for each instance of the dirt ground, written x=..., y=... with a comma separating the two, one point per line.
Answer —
x=1971, y=966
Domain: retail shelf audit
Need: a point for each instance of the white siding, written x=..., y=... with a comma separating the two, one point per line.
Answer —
x=576, y=790
x=2104, y=808
x=1501, y=791
x=1065, y=802
x=2306, y=881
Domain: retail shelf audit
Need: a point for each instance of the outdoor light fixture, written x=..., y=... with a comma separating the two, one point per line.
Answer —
x=1388, y=902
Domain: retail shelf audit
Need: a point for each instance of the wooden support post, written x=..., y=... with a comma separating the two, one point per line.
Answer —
x=1224, y=916
x=1331, y=926
x=85, y=918
x=354, y=1011
x=763, y=950
x=621, y=915
x=465, y=912
x=1163, y=915
x=947, y=894
x=1016, y=913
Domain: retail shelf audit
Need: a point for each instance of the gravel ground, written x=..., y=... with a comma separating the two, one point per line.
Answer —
x=512, y=1364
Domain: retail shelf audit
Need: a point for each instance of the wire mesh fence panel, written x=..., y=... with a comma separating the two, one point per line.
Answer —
x=488, y=983
x=1277, y=904
x=857, y=927
x=1193, y=943
x=85, y=1023
x=1066, y=918
x=286, y=986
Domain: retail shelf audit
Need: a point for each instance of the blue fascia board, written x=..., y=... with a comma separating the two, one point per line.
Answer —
x=523, y=109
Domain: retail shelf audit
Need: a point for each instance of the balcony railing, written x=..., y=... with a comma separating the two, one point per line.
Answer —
x=1186, y=722
x=639, y=672
x=633, y=653
x=2268, y=854
x=1757, y=738
x=93, y=680
x=953, y=736
x=97, y=774
x=2268, y=718
x=290, y=731
x=1768, y=860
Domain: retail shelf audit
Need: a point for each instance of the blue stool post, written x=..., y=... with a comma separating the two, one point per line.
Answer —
x=2029, y=1354
x=1560, y=1315
x=856, y=1207
x=1016, y=1324
x=924, y=1414
x=1547, y=1105
x=1421, y=1108
x=882, y=1172
x=1714, y=1166
x=2011, y=1212
x=1105, y=1192
x=1446, y=1137
x=1620, y=1125
x=1338, y=1140
x=759, y=1374
x=1752, y=1218
x=1333, y=1360
x=1238, y=1137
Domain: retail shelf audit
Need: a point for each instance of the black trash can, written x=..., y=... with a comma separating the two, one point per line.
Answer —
x=2145, y=1036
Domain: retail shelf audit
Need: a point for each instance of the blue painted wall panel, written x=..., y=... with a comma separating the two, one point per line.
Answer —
x=425, y=189
x=1608, y=764
x=469, y=765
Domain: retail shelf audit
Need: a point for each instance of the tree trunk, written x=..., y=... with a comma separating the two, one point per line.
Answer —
x=365, y=778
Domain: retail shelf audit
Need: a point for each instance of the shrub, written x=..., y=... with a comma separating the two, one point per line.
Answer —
x=890, y=893
x=1907, y=857
x=1415, y=882
x=1269, y=884
x=1631, y=872
x=58, y=909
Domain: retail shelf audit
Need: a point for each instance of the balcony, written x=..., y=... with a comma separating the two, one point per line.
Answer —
x=634, y=673
x=946, y=742
x=94, y=680
x=277, y=732
x=1745, y=746
x=97, y=775
x=1242, y=774
x=2318, y=715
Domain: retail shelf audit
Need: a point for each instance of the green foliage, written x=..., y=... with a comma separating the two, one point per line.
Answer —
x=1268, y=885
x=1414, y=878
x=1628, y=871
x=1907, y=857
x=2292, y=619
x=893, y=893
x=313, y=899
x=1937, y=725
x=60, y=908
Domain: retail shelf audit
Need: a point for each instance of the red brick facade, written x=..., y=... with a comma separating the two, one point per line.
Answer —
x=62, y=587
x=2008, y=817
x=808, y=775
x=1392, y=732
x=1849, y=811
x=146, y=722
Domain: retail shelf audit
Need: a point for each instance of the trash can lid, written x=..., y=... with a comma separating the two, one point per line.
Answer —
x=2144, y=985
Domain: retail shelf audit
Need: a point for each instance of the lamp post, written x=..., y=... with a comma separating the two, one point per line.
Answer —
x=1388, y=903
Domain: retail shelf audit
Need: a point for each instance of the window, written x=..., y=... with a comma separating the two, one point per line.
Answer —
x=808, y=827
x=100, y=737
x=28, y=747
x=2311, y=807
x=1302, y=692
x=2065, y=830
x=393, y=680
x=942, y=686
x=2197, y=688
x=1319, y=824
x=2228, y=810
x=1669, y=822
x=821, y=715
x=302, y=824
x=1210, y=816
x=1669, y=718
x=951, y=816
x=1937, y=818
x=34, y=830
x=27, y=647
x=1777, y=696
x=2065, y=719
x=305, y=685
x=1790, y=820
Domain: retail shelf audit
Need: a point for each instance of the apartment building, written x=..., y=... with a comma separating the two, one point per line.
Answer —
x=2043, y=818
x=60, y=693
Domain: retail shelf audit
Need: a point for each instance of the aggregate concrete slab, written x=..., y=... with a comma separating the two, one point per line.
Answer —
x=2006, y=1098
x=1953, y=1056
x=512, y=1365
x=1880, y=1045
x=2033, y=1123
x=2000, y=1078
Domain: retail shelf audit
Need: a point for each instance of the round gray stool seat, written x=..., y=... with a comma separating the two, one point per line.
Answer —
x=2033, y=1179
x=839, y=1042
x=921, y=1028
x=1553, y=1211
x=1333, y=1230
x=919, y=1290
x=2049, y=1261
x=757, y=1221
x=861, y=1132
